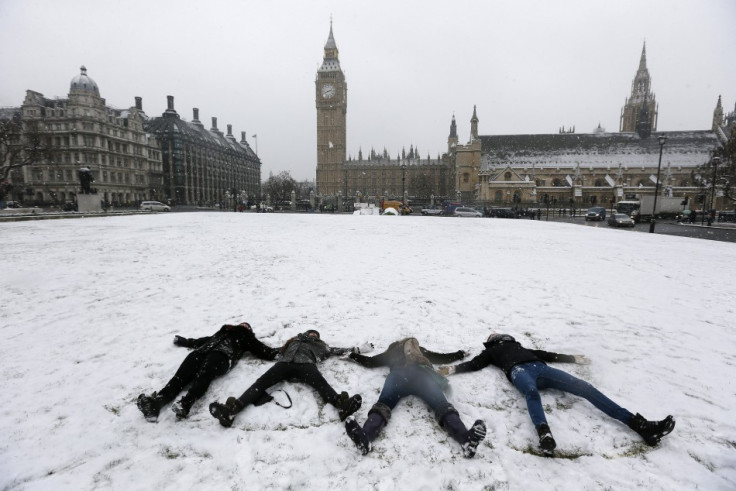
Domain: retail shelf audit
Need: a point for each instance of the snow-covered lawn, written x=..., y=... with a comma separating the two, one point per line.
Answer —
x=89, y=309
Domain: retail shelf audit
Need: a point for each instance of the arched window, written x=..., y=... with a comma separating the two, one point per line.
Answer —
x=498, y=196
x=507, y=176
x=466, y=177
x=557, y=182
x=598, y=183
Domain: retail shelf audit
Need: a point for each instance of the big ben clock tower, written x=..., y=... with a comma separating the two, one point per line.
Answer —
x=332, y=103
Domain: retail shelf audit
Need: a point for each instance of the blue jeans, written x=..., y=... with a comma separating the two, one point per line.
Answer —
x=417, y=381
x=530, y=377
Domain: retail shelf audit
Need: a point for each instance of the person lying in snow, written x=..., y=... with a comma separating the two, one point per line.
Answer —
x=528, y=372
x=297, y=361
x=412, y=373
x=212, y=357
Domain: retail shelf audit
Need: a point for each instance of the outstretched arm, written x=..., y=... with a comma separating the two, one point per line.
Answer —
x=262, y=351
x=443, y=357
x=190, y=342
x=477, y=363
x=363, y=348
x=370, y=361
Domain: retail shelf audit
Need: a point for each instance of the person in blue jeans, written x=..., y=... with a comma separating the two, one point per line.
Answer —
x=412, y=373
x=527, y=371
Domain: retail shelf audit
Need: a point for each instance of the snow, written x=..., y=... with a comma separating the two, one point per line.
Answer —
x=89, y=309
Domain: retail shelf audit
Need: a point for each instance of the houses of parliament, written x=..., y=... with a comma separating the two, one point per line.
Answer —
x=565, y=168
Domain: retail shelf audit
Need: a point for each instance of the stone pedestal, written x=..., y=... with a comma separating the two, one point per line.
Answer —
x=88, y=203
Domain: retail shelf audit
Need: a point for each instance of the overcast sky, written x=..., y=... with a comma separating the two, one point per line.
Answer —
x=529, y=66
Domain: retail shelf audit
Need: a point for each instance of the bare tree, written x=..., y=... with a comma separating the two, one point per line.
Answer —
x=279, y=187
x=21, y=144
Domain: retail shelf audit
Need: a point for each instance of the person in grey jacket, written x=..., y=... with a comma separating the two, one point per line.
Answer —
x=213, y=356
x=297, y=361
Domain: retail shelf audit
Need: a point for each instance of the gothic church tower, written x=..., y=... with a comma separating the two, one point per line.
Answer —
x=641, y=103
x=332, y=101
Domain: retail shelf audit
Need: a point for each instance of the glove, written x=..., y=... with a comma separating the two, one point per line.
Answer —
x=446, y=370
x=462, y=353
x=581, y=360
x=363, y=348
x=180, y=341
x=353, y=356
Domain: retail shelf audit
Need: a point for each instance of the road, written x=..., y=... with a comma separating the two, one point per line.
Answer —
x=725, y=232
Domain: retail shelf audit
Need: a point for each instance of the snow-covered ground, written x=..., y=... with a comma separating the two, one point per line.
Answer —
x=89, y=308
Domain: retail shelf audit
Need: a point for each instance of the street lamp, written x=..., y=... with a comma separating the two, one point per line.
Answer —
x=715, y=161
x=662, y=140
x=403, y=183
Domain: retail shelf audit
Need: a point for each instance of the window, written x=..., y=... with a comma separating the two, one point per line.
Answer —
x=507, y=176
x=466, y=177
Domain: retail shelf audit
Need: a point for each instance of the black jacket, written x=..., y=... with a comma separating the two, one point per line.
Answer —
x=232, y=341
x=505, y=353
x=305, y=349
x=394, y=357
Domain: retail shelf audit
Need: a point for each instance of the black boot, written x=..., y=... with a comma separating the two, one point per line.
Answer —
x=357, y=435
x=652, y=431
x=476, y=434
x=225, y=413
x=546, y=442
x=182, y=406
x=347, y=405
x=373, y=425
x=150, y=406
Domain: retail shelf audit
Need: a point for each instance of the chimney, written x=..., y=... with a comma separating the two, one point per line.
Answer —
x=229, y=130
x=242, y=137
x=170, y=110
x=214, y=124
x=195, y=110
x=139, y=103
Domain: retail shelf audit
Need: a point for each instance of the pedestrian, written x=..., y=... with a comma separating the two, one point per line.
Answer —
x=212, y=357
x=527, y=371
x=412, y=373
x=297, y=361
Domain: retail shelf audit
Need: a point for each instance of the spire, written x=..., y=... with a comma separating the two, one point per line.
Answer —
x=643, y=60
x=717, y=115
x=453, y=128
x=330, y=62
x=474, y=125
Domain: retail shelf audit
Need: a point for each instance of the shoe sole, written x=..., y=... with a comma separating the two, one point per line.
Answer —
x=217, y=412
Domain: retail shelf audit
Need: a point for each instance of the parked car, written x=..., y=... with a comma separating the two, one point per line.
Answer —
x=432, y=211
x=503, y=213
x=464, y=211
x=154, y=206
x=620, y=220
x=596, y=213
x=13, y=204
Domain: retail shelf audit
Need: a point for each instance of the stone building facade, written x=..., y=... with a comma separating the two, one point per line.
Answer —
x=84, y=132
x=204, y=166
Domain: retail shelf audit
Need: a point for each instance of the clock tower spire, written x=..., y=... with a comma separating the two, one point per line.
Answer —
x=332, y=100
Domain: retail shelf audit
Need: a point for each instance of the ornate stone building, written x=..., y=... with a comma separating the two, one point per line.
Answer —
x=565, y=169
x=84, y=131
x=202, y=166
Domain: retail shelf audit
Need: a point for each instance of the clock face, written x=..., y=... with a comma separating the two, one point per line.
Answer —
x=328, y=91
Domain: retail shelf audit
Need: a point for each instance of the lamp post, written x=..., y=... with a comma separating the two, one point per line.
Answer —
x=715, y=161
x=662, y=140
x=255, y=137
x=403, y=183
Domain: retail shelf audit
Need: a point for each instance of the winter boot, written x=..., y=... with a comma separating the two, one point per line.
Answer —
x=476, y=434
x=225, y=413
x=150, y=406
x=181, y=407
x=651, y=431
x=347, y=405
x=357, y=435
x=546, y=442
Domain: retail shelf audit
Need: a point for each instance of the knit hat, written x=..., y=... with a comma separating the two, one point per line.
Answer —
x=497, y=337
x=312, y=331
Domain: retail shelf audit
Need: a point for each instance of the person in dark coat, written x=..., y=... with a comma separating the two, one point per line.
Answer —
x=412, y=373
x=528, y=371
x=212, y=357
x=297, y=361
